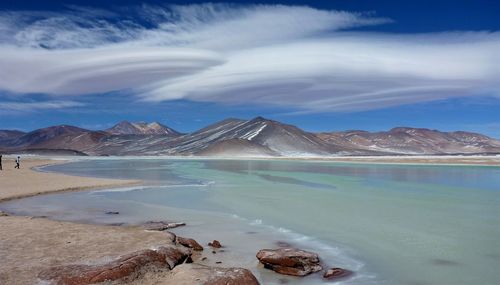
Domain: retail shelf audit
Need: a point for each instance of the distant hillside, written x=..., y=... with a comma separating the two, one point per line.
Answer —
x=141, y=128
x=41, y=136
x=239, y=138
x=236, y=148
x=8, y=136
x=56, y=139
x=275, y=137
x=414, y=141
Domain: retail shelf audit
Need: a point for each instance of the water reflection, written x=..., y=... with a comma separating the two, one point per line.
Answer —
x=448, y=175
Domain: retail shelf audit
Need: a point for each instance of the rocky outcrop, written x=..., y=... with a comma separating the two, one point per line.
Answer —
x=175, y=255
x=189, y=242
x=290, y=261
x=204, y=275
x=336, y=273
x=215, y=244
x=126, y=266
x=161, y=225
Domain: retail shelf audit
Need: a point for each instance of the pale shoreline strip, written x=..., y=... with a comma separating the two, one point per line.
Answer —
x=27, y=182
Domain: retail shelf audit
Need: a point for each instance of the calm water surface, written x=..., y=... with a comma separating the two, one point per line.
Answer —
x=392, y=224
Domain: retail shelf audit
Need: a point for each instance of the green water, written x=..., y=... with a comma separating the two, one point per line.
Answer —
x=392, y=224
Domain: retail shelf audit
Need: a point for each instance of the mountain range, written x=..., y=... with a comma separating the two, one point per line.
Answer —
x=141, y=128
x=236, y=137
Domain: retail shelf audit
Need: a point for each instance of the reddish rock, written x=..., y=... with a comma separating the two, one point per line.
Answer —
x=126, y=266
x=189, y=242
x=196, y=274
x=232, y=276
x=175, y=255
x=215, y=244
x=336, y=273
x=290, y=261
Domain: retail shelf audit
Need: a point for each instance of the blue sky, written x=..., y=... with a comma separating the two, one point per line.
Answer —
x=321, y=65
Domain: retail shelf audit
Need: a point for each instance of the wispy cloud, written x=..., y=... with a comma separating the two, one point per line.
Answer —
x=299, y=57
x=15, y=107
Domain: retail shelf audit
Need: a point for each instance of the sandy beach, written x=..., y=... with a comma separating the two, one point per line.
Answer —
x=24, y=182
x=30, y=245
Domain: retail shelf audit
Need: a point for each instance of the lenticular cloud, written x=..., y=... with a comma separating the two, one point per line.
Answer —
x=289, y=56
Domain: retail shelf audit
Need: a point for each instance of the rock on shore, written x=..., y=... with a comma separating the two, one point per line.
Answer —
x=194, y=274
x=215, y=244
x=126, y=266
x=336, y=273
x=129, y=267
x=290, y=261
x=161, y=225
x=189, y=242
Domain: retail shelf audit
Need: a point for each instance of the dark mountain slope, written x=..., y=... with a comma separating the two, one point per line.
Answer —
x=7, y=137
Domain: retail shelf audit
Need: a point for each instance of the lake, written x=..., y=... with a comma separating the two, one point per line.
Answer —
x=391, y=224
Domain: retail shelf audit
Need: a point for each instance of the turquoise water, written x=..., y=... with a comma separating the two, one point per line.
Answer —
x=391, y=224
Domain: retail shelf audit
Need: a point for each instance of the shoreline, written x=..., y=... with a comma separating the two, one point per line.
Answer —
x=34, y=247
x=57, y=183
x=30, y=245
x=451, y=160
x=419, y=160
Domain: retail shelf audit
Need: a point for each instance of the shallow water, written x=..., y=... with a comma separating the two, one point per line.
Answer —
x=391, y=224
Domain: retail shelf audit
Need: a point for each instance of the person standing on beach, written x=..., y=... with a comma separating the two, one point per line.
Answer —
x=18, y=162
x=1, y=162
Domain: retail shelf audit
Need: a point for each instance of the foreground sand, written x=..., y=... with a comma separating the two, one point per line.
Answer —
x=28, y=245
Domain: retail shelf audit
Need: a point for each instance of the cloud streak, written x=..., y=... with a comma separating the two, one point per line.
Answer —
x=296, y=57
x=14, y=107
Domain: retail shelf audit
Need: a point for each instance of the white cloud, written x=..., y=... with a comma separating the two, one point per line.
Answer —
x=274, y=55
x=346, y=73
x=84, y=71
x=36, y=106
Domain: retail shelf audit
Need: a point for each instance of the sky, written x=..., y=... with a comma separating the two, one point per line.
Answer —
x=320, y=65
